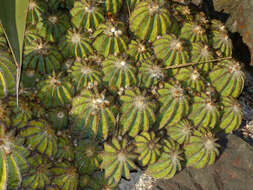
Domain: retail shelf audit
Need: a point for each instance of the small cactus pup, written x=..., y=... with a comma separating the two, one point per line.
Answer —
x=138, y=50
x=87, y=14
x=169, y=162
x=75, y=44
x=110, y=38
x=119, y=72
x=20, y=114
x=228, y=78
x=148, y=148
x=231, y=114
x=181, y=131
x=118, y=159
x=87, y=156
x=202, y=149
x=58, y=117
x=171, y=50
x=150, y=19
x=7, y=74
x=55, y=91
x=92, y=114
x=13, y=160
x=65, y=176
x=138, y=112
x=65, y=147
x=39, y=174
x=174, y=104
x=40, y=136
x=85, y=72
x=220, y=39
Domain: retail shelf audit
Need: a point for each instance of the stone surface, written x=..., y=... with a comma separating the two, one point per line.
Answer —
x=240, y=20
x=232, y=171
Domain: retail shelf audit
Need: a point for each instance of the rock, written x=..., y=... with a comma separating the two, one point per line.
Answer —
x=232, y=171
x=196, y=2
x=240, y=20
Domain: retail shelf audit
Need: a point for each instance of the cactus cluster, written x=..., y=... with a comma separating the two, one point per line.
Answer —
x=108, y=87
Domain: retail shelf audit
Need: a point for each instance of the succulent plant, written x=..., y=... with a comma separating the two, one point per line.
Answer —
x=148, y=148
x=175, y=104
x=118, y=159
x=41, y=57
x=170, y=50
x=55, y=91
x=85, y=13
x=138, y=112
x=93, y=114
x=84, y=73
x=35, y=11
x=75, y=44
x=118, y=72
x=202, y=149
x=88, y=156
x=39, y=175
x=111, y=86
x=227, y=78
x=149, y=20
x=7, y=74
x=13, y=161
x=110, y=38
x=169, y=162
x=65, y=176
x=41, y=137
x=231, y=115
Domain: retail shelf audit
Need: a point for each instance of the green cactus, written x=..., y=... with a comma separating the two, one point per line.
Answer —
x=202, y=149
x=85, y=73
x=138, y=51
x=118, y=159
x=85, y=13
x=110, y=38
x=113, y=86
x=170, y=50
x=65, y=176
x=75, y=44
x=7, y=75
x=181, y=131
x=148, y=148
x=55, y=91
x=39, y=175
x=13, y=161
x=35, y=11
x=169, y=162
x=138, y=112
x=193, y=32
x=227, y=78
x=231, y=115
x=118, y=72
x=93, y=114
x=88, y=156
x=41, y=57
x=41, y=137
x=149, y=20
x=204, y=111
x=175, y=104
x=113, y=6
